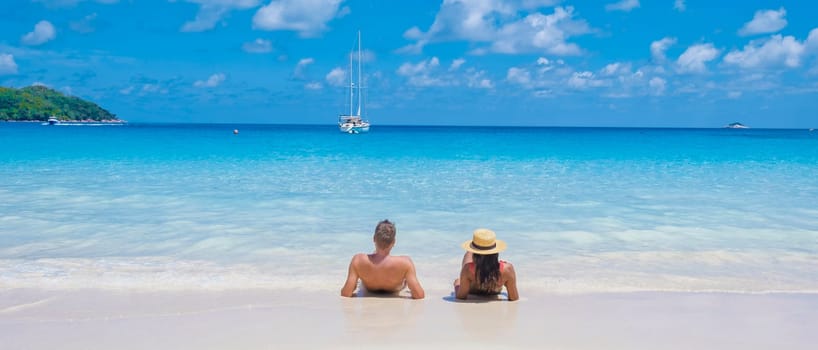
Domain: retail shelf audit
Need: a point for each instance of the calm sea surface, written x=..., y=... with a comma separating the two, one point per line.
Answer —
x=159, y=207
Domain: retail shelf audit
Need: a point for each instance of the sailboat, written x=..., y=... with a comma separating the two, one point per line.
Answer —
x=353, y=123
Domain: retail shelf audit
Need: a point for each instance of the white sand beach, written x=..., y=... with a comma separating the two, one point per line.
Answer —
x=258, y=319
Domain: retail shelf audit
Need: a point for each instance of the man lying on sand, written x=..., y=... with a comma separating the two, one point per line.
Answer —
x=380, y=272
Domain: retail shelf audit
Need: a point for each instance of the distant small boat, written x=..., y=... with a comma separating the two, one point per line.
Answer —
x=354, y=123
x=52, y=121
x=736, y=126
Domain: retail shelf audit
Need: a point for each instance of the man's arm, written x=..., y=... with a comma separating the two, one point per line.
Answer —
x=352, y=280
x=413, y=283
x=511, y=283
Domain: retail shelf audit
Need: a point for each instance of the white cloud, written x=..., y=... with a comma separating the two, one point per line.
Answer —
x=7, y=64
x=302, y=65
x=456, y=64
x=305, y=62
x=483, y=84
x=583, y=80
x=765, y=21
x=413, y=33
x=477, y=79
x=775, y=51
x=541, y=33
x=153, y=88
x=519, y=76
x=427, y=73
x=534, y=4
x=85, y=25
x=43, y=32
x=343, y=11
x=679, y=5
x=68, y=3
x=258, y=46
x=420, y=74
x=211, y=12
x=314, y=86
x=812, y=41
x=547, y=65
x=307, y=17
x=694, y=59
x=616, y=68
x=623, y=5
x=366, y=55
x=733, y=94
x=127, y=91
x=614, y=80
x=545, y=93
x=213, y=81
x=422, y=67
x=542, y=73
x=472, y=20
x=337, y=77
x=657, y=85
x=416, y=48
x=506, y=26
x=658, y=48
x=621, y=81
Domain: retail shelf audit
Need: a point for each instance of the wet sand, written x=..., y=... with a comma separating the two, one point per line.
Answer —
x=259, y=319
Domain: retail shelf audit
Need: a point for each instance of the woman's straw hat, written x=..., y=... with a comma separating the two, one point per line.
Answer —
x=484, y=242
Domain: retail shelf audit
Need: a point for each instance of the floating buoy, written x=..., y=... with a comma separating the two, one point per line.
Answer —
x=235, y=131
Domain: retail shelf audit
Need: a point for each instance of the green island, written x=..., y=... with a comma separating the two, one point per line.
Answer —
x=38, y=103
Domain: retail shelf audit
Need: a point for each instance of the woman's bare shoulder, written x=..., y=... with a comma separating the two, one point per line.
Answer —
x=508, y=268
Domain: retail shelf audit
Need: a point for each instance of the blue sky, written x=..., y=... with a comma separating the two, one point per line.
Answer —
x=665, y=63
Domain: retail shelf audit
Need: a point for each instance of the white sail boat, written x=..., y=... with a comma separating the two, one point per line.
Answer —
x=353, y=123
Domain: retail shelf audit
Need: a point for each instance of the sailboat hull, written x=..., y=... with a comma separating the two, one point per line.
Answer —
x=360, y=129
x=353, y=128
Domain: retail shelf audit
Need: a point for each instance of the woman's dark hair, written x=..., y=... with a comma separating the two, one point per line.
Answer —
x=487, y=268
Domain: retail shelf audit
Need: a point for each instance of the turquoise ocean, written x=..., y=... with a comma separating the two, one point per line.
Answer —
x=583, y=210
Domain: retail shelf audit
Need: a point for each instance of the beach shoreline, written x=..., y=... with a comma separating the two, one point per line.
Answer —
x=262, y=319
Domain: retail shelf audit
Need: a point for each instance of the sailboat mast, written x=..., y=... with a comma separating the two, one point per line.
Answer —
x=351, y=84
x=359, y=74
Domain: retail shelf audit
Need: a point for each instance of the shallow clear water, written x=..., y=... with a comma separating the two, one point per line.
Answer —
x=583, y=209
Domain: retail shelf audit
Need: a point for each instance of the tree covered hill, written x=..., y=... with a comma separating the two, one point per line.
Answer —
x=39, y=103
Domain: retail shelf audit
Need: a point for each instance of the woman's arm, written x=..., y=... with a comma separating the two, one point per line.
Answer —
x=511, y=282
x=461, y=290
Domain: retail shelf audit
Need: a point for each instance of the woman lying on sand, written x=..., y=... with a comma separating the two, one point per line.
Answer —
x=482, y=273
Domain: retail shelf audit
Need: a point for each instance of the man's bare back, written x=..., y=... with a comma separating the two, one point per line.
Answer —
x=381, y=272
